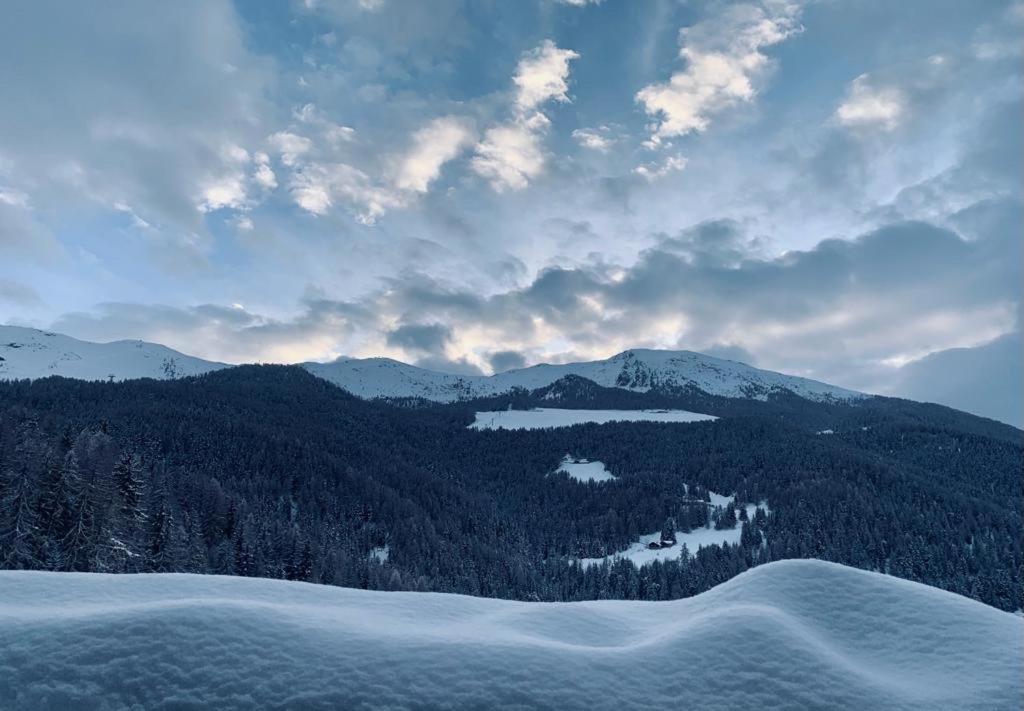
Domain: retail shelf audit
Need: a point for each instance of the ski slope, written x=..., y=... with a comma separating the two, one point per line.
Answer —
x=791, y=634
x=31, y=353
x=547, y=418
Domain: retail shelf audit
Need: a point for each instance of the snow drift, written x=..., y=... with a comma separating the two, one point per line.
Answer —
x=792, y=634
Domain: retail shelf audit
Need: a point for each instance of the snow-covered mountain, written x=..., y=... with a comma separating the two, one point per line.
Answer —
x=638, y=369
x=31, y=353
x=792, y=634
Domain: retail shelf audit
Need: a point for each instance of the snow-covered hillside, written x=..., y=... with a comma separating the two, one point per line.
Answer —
x=634, y=370
x=30, y=353
x=791, y=634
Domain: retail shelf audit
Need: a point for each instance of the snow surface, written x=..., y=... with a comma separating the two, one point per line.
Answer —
x=30, y=353
x=640, y=554
x=792, y=634
x=585, y=470
x=637, y=369
x=543, y=417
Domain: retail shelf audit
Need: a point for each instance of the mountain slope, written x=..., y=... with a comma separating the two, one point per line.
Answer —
x=637, y=370
x=792, y=634
x=31, y=353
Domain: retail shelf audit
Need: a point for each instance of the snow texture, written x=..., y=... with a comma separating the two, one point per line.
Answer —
x=545, y=418
x=787, y=635
x=640, y=554
x=30, y=353
x=585, y=470
x=638, y=370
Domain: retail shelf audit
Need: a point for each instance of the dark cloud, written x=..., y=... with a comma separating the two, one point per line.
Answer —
x=429, y=338
x=986, y=380
x=501, y=361
x=19, y=294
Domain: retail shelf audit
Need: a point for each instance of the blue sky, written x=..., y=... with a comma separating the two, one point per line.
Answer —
x=829, y=188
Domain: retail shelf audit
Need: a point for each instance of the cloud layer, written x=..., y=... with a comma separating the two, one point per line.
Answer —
x=831, y=189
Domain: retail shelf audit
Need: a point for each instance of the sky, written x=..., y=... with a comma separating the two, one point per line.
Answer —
x=828, y=188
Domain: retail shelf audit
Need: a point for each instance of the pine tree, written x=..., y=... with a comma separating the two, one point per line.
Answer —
x=668, y=532
x=18, y=529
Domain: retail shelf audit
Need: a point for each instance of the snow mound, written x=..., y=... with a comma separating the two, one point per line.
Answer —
x=30, y=353
x=791, y=634
x=546, y=418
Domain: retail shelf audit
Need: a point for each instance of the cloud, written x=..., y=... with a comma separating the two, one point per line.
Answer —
x=655, y=170
x=430, y=338
x=852, y=312
x=316, y=187
x=510, y=155
x=103, y=132
x=14, y=292
x=435, y=144
x=871, y=107
x=500, y=361
x=596, y=139
x=289, y=146
x=986, y=380
x=542, y=76
x=724, y=62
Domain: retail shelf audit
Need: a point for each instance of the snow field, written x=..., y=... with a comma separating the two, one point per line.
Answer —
x=791, y=634
x=542, y=417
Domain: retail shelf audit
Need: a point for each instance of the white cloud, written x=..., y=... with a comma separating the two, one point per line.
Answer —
x=227, y=190
x=290, y=146
x=14, y=198
x=264, y=175
x=316, y=187
x=724, y=61
x=659, y=169
x=542, y=75
x=580, y=3
x=868, y=106
x=435, y=144
x=510, y=155
x=334, y=133
x=596, y=139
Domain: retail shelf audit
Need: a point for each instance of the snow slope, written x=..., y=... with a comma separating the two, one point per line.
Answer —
x=543, y=417
x=635, y=370
x=640, y=554
x=791, y=634
x=30, y=353
x=585, y=470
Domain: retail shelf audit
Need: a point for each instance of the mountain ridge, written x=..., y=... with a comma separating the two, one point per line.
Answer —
x=33, y=353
